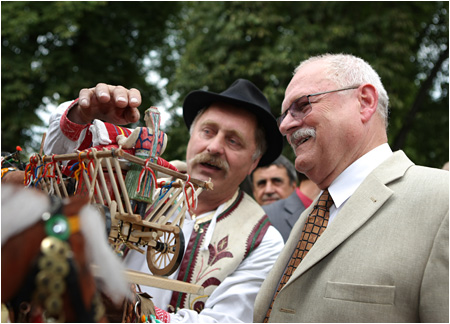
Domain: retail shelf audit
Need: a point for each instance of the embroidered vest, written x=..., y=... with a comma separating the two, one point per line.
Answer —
x=240, y=229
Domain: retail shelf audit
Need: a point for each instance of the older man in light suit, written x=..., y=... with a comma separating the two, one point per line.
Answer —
x=384, y=255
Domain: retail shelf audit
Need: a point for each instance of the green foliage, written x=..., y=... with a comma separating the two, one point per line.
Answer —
x=51, y=50
x=264, y=41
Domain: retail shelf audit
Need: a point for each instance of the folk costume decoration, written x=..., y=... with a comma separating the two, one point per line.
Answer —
x=48, y=245
x=230, y=247
x=222, y=253
x=11, y=162
x=149, y=142
x=234, y=242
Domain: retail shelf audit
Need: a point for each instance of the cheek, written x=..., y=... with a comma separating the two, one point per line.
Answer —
x=194, y=145
x=344, y=133
x=337, y=141
x=259, y=192
x=283, y=189
x=191, y=150
x=286, y=186
x=240, y=165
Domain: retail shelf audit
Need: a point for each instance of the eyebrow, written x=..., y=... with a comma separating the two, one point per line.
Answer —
x=226, y=131
x=272, y=179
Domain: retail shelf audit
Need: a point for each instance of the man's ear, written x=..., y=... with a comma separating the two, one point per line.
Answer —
x=254, y=165
x=368, y=98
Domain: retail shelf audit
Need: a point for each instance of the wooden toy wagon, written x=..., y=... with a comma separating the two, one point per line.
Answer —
x=100, y=175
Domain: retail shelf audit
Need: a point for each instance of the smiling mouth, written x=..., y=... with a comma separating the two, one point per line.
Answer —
x=304, y=140
x=301, y=141
x=301, y=136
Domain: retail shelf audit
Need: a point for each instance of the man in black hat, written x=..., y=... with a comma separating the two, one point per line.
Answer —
x=230, y=244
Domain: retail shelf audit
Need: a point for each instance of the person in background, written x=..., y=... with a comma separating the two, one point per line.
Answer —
x=231, y=133
x=273, y=182
x=284, y=213
x=374, y=246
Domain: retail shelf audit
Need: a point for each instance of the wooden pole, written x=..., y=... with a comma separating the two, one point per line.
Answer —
x=205, y=184
x=119, y=152
x=149, y=280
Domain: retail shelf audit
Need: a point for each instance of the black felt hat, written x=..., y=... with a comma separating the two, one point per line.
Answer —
x=244, y=94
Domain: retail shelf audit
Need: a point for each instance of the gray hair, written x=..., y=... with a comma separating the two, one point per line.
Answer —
x=260, y=135
x=284, y=162
x=347, y=70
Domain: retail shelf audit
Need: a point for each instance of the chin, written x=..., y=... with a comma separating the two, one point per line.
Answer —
x=200, y=176
x=301, y=165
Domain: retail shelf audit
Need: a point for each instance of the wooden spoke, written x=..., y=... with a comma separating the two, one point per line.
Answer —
x=166, y=256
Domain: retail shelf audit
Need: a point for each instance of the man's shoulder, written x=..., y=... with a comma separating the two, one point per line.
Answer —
x=430, y=172
x=244, y=208
x=399, y=168
x=419, y=185
x=428, y=179
x=292, y=200
x=250, y=201
x=421, y=174
x=275, y=205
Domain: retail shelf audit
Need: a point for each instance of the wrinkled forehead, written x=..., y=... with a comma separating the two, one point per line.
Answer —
x=229, y=113
x=231, y=119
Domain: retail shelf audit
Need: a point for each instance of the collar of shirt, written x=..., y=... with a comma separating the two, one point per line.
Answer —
x=349, y=180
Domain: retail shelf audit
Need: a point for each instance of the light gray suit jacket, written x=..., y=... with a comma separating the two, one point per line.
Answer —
x=384, y=258
x=284, y=213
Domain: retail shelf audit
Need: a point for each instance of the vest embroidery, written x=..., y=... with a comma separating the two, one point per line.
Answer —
x=225, y=253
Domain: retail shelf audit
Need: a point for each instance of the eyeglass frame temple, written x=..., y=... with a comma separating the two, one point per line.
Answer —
x=311, y=95
x=321, y=93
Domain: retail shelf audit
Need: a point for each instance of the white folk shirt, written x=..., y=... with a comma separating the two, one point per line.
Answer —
x=233, y=300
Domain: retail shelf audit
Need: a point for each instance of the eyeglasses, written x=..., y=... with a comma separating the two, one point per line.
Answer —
x=301, y=107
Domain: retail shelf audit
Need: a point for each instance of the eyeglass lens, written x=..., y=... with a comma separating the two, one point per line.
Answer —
x=298, y=109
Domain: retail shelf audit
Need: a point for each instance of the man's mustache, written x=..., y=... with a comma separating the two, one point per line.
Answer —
x=301, y=133
x=271, y=196
x=208, y=158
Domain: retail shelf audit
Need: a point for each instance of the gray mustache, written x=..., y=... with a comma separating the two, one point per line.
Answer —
x=206, y=157
x=303, y=132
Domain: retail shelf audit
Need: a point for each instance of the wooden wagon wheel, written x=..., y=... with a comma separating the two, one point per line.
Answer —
x=166, y=256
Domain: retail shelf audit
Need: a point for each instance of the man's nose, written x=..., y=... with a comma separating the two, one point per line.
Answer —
x=216, y=145
x=290, y=124
x=269, y=188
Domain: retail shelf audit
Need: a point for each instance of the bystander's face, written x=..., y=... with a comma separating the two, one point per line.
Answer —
x=334, y=124
x=221, y=148
x=271, y=184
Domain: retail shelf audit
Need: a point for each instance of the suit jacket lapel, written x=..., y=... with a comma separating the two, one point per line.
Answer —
x=362, y=205
x=292, y=206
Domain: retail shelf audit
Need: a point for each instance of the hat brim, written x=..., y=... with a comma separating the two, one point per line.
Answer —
x=199, y=99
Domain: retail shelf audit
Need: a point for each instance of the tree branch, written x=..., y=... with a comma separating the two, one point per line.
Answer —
x=400, y=139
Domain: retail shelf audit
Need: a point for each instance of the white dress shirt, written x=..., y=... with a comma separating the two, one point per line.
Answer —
x=351, y=178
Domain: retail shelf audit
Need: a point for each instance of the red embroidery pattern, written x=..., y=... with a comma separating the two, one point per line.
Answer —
x=219, y=252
